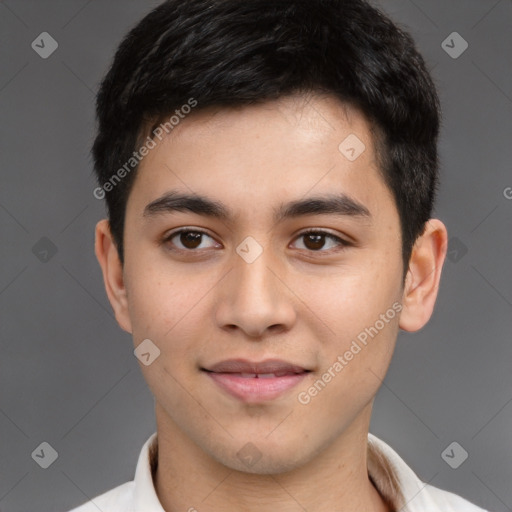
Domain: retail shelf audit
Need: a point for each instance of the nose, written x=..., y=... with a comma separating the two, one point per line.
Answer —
x=254, y=298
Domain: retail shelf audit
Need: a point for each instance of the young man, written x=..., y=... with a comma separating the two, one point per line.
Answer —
x=269, y=170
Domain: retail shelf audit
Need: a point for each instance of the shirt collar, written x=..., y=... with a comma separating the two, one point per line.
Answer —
x=395, y=481
x=145, y=497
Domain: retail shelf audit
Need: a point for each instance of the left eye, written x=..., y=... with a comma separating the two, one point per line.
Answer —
x=317, y=240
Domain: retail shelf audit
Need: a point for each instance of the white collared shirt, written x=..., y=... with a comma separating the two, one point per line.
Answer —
x=395, y=481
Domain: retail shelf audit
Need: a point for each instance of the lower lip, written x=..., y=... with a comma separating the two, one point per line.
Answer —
x=252, y=389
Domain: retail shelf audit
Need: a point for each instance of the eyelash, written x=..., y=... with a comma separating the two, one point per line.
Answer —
x=341, y=242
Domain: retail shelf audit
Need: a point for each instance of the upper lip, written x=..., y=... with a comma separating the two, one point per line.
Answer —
x=262, y=367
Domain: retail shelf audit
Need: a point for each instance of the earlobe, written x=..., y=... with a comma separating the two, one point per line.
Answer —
x=423, y=276
x=108, y=258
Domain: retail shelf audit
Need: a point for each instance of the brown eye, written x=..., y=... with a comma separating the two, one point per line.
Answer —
x=314, y=242
x=320, y=241
x=191, y=239
x=188, y=239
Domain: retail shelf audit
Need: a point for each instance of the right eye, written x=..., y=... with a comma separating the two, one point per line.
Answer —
x=186, y=239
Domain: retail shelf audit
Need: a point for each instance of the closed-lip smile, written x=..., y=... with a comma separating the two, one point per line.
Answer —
x=255, y=382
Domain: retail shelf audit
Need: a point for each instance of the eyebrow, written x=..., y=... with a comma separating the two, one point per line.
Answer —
x=329, y=204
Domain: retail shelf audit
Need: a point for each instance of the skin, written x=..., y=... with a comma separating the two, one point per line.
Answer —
x=297, y=301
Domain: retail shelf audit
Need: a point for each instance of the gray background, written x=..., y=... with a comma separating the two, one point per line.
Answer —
x=67, y=372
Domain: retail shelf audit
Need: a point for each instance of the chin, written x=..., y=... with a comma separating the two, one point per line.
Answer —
x=268, y=464
x=260, y=457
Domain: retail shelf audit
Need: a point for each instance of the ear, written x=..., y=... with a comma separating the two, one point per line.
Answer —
x=108, y=258
x=423, y=276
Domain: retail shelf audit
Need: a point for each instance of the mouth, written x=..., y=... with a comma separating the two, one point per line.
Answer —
x=256, y=382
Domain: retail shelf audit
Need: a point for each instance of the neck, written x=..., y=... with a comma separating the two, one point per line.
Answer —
x=336, y=478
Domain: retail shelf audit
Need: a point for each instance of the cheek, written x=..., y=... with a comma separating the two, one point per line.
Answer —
x=347, y=301
x=356, y=320
x=171, y=310
x=160, y=300
x=353, y=365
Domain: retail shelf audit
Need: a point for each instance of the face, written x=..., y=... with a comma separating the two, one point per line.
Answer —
x=263, y=260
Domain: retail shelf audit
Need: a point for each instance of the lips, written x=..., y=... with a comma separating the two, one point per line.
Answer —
x=255, y=382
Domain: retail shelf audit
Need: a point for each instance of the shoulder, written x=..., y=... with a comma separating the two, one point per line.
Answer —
x=446, y=500
x=118, y=499
x=133, y=496
x=398, y=483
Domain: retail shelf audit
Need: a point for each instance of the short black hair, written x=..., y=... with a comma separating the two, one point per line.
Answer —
x=227, y=53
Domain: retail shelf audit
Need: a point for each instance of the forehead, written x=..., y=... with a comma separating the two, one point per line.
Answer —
x=256, y=156
x=302, y=123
